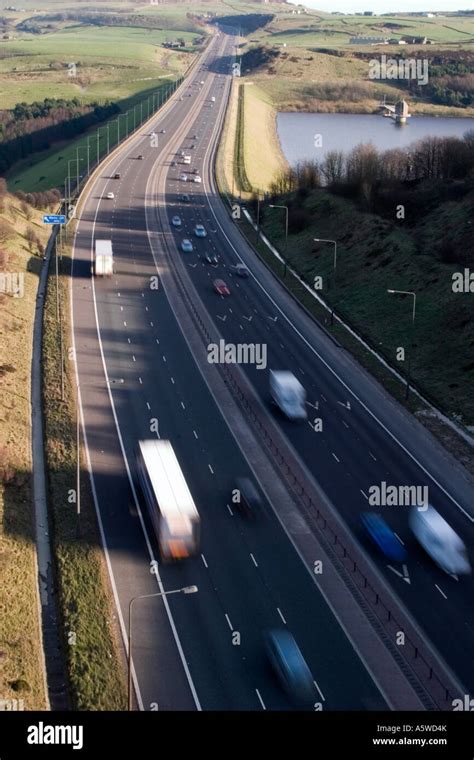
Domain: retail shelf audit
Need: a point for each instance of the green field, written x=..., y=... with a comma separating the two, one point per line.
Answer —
x=111, y=64
x=311, y=29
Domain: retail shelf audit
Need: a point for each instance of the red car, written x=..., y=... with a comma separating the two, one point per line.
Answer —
x=221, y=288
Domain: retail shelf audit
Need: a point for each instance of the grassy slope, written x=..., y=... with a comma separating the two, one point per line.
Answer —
x=374, y=255
x=262, y=151
x=19, y=625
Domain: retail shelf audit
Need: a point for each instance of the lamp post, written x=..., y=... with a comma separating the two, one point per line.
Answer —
x=184, y=590
x=271, y=205
x=118, y=127
x=413, y=314
x=325, y=240
x=88, y=154
x=70, y=161
x=77, y=165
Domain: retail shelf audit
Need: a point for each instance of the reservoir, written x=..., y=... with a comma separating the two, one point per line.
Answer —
x=298, y=132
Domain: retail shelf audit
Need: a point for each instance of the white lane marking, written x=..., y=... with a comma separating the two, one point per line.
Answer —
x=148, y=406
x=260, y=699
x=212, y=471
x=204, y=560
x=132, y=487
x=195, y=434
x=228, y=621
x=172, y=380
x=133, y=357
x=364, y=494
x=335, y=457
x=157, y=341
x=182, y=404
x=129, y=340
x=440, y=591
x=281, y=615
x=228, y=507
x=125, y=324
x=345, y=424
x=141, y=381
x=121, y=308
x=404, y=576
x=323, y=397
x=319, y=690
x=374, y=458
x=151, y=324
x=253, y=560
x=398, y=537
x=164, y=358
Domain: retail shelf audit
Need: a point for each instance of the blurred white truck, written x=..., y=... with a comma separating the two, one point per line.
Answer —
x=104, y=258
x=288, y=394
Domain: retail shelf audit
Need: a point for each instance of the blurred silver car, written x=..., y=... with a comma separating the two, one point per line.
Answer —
x=439, y=540
x=186, y=246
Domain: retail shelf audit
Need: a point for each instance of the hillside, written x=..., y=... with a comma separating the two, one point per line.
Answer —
x=22, y=236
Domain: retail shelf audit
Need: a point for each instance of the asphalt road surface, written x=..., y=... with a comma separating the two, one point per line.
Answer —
x=186, y=650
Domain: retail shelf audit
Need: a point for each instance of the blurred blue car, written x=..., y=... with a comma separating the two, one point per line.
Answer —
x=290, y=667
x=383, y=536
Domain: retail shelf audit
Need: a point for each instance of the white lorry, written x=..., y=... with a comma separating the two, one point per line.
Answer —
x=288, y=394
x=170, y=504
x=104, y=258
x=186, y=159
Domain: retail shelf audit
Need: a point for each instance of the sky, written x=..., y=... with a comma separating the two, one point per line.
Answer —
x=387, y=6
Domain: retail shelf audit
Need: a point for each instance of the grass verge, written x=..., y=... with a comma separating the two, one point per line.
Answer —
x=93, y=653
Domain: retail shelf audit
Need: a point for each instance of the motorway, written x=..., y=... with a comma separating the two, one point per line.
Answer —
x=249, y=576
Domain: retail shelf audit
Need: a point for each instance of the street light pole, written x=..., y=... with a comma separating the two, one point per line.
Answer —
x=271, y=205
x=77, y=164
x=334, y=242
x=413, y=314
x=185, y=590
x=70, y=161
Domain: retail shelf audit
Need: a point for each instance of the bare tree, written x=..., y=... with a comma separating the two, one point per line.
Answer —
x=332, y=168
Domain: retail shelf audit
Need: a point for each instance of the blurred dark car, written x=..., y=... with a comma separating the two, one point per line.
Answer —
x=290, y=667
x=250, y=501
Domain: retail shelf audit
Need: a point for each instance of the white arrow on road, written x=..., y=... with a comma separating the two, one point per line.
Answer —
x=249, y=319
x=315, y=406
x=192, y=265
x=223, y=318
x=405, y=576
x=345, y=404
x=274, y=319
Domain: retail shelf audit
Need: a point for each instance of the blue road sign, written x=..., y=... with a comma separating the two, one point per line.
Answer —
x=54, y=219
